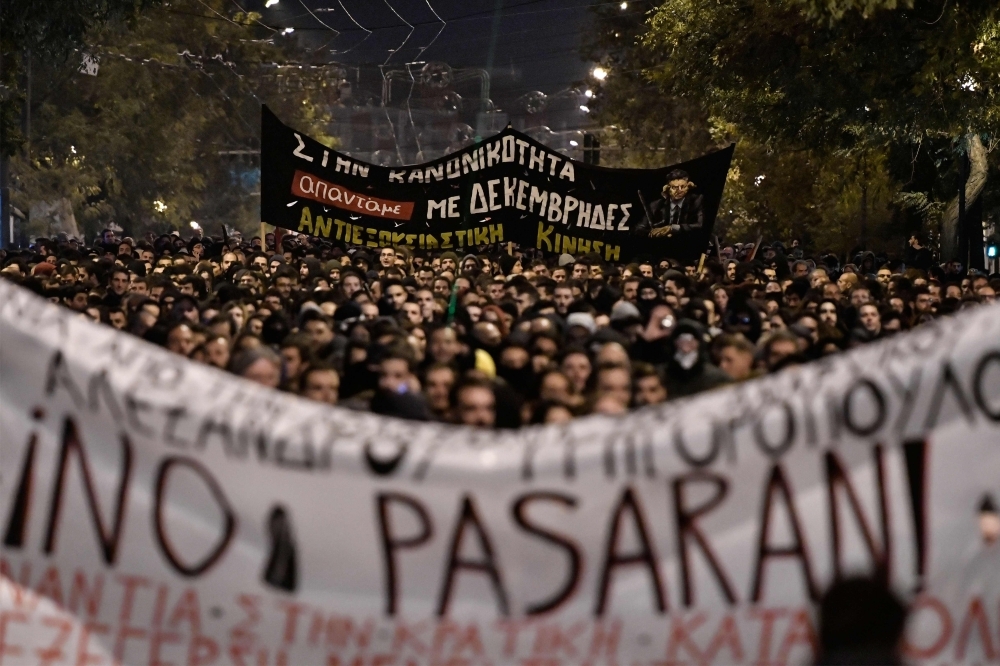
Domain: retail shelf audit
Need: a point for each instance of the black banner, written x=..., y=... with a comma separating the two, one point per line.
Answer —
x=506, y=188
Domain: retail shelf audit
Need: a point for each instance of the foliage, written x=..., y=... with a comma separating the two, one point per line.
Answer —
x=829, y=100
x=51, y=31
x=897, y=76
x=168, y=130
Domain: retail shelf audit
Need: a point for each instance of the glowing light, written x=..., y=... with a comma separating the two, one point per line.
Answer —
x=599, y=73
x=288, y=31
x=584, y=108
x=574, y=143
x=588, y=93
x=271, y=3
x=624, y=5
x=195, y=225
x=160, y=206
x=72, y=149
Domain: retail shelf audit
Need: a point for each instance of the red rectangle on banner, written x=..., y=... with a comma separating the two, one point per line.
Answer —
x=309, y=186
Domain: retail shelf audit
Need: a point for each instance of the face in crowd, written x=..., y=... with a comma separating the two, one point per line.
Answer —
x=486, y=339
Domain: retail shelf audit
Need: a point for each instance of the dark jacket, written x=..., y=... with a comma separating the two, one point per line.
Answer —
x=689, y=216
x=702, y=376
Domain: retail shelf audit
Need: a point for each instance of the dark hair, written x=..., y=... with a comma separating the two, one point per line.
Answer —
x=314, y=366
x=860, y=621
x=542, y=409
x=467, y=383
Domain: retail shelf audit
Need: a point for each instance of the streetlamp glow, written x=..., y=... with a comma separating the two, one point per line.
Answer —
x=271, y=3
x=599, y=73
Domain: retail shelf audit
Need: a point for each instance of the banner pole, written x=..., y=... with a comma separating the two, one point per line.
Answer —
x=263, y=237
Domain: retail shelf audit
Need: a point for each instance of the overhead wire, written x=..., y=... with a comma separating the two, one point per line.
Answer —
x=350, y=16
x=321, y=21
x=406, y=39
x=444, y=24
x=413, y=82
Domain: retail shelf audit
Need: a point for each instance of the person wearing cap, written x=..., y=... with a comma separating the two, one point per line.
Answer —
x=449, y=261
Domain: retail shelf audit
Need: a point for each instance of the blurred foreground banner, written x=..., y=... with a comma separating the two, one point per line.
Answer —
x=158, y=511
x=506, y=188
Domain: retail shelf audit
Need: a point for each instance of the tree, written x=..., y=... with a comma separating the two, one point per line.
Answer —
x=49, y=31
x=850, y=85
x=168, y=130
x=828, y=77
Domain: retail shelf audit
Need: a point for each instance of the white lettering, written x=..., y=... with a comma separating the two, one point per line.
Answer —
x=540, y=197
x=494, y=194
x=521, y=145
x=493, y=153
x=538, y=159
x=597, y=221
x=553, y=161
x=509, y=185
x=435, y=205
x=478, y=203
x=508, y=148
x=621, y=223
x=298, y=150
x=555, y=207
x=522, y=193
x=569, y=205
x=436, y=172
x=303, y=179
x=567, y=172
x=396, y=176
x=469, y=162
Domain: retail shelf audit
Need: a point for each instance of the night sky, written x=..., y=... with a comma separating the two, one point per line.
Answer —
x=536, y=45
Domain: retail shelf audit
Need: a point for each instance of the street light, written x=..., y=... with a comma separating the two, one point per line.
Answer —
x=288, y=31
x=271, y=3
x=624, y=5
x=599, y=73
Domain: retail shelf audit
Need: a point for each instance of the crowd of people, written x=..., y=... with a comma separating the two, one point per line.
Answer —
x=501, y=338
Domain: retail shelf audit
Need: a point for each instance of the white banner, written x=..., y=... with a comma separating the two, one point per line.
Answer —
x=155, y=511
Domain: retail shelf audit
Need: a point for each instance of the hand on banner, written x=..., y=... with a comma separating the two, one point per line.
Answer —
x=661, y=232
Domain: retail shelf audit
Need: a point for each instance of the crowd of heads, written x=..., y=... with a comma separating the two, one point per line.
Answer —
x=498, y=336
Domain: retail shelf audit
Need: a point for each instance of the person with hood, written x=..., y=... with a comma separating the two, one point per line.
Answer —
x=688, y=369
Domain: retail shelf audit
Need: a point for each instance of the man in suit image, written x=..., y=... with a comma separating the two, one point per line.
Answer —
x=679, y=209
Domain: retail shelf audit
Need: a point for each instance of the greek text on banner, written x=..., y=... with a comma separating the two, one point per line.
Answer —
x=317, y=189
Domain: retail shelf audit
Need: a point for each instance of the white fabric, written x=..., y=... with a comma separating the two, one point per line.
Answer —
x=307, y=495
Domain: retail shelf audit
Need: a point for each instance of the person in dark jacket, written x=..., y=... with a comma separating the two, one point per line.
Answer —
x=688, y=369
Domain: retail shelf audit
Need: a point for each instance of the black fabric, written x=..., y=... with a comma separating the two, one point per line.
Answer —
x=483, y=195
